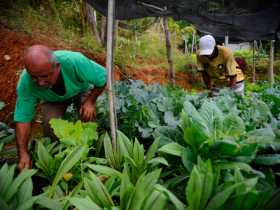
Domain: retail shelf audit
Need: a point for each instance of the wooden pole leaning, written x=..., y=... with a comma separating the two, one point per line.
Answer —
x=110, y=71
x=270, y=71
x=168, y=49
x=254, y=70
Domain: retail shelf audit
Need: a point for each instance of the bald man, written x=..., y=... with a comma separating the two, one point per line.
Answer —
x=57, y=79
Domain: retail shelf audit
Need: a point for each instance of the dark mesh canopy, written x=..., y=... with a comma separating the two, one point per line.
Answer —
x=241, y=20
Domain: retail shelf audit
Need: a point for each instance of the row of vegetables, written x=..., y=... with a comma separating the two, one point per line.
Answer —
x=175, y=150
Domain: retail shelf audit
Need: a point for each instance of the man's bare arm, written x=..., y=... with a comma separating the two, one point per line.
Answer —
x=22, y=134
x=232, y=83
x=207, y=82
x=88, y=108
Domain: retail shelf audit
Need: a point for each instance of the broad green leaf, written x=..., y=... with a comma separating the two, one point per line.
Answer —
x=164, y=104
x=225, y=147
x=7, y=176
x=216, y=179
x=137, y=197
x=28, y=204
x=125, y=183
x=220, y=198
x=269, y=178
x=200, y=124
x=173, y=199
x=195, y=200
x=193, y=184
x=233, y=124
x=210, y=114
x=190, y=138
x=69, y=141
x=262, y=201
x=185, y=120
x=61, y=128
x=216, y=127
x=138, y=154
x=84, y=204
x=189, y=158
x=73, y=194
x=125, y=143
x=156, y=200
x=99, y=145
x=8, y=152
x=158, y=160
x=246, y=153
x=238, y=178
x=206, y=177
x=7, y=138
x=267, y=159
x=153, y=119
x=151, y=152
x=105, y=170
x=67, y=164
x=13, y=188
x=25, y=192
x=3, y=205
x=101, y=191
x=245, y=200
x=177, y=181
x=171, y=120
x=109, y=151
x=77, y=130
x=172, y=148
x=231, y=166
x=169, y=135
x=58, y=193
x=273, y=202
x=88, y=135
x=188, y=107
x=49, y=203
x=43, y=155
x=150, y=180
x=126, y=195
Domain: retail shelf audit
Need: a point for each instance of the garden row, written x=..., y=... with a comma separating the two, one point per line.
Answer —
x=175, y=150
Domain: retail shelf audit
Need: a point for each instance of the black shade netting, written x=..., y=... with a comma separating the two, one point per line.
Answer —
x=241, y=20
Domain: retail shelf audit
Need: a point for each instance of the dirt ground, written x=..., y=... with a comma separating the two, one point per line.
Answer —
x=13, y=45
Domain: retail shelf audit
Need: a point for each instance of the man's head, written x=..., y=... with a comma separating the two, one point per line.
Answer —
x=207, y=46
x=42, y=66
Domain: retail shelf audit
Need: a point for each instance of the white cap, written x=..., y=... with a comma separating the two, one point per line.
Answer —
x=207, y=44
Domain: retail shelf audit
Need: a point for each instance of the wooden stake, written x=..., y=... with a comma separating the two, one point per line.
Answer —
x=270, y=71
x=254, y=71
x=193, y=40
x=256, y=45
x=168, y=49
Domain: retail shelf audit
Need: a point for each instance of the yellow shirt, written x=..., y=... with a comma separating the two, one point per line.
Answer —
x=221, y=68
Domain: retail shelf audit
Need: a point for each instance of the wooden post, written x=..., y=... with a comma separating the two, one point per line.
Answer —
x=175, y=33
x=168, y=49
x=186, y=46
x=254, y=70
x=270, y=71
x=193, y=40
x=226, y=41
x=159, y=33
x=110, y=72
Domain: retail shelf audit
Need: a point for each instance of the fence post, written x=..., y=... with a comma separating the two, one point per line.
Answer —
x=254, y=70
x=270, y=71
x=110, y=71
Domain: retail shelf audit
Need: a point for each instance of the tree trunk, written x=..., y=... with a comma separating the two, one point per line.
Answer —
x=116, y=35
x=254, y=68
x=103, y=29
x=270, y=71
x=91, y=22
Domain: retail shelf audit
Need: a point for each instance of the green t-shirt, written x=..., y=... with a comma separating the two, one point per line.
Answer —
x=79, y=74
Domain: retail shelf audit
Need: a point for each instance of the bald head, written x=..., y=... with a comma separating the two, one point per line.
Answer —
x=38, y=54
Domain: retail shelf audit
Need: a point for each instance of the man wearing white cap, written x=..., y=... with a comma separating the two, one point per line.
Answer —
x=217, y=64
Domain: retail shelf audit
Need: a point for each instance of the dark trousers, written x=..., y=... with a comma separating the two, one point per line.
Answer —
x=58, y=110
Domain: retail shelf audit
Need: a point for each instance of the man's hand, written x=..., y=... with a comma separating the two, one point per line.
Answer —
x=24, y=160
x=210, y=95
x=88, y=111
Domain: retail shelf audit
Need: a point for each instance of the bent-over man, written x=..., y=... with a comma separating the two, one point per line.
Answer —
x=218, y=64
x=57, y=79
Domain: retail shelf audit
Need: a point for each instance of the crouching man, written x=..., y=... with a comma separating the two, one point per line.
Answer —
x=217, y=64
x=57, y=79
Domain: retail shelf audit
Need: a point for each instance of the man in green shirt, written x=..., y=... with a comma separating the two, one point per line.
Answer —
x=57, y=79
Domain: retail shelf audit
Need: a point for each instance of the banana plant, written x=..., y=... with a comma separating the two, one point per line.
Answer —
x=145, y=194
x=204, y=192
